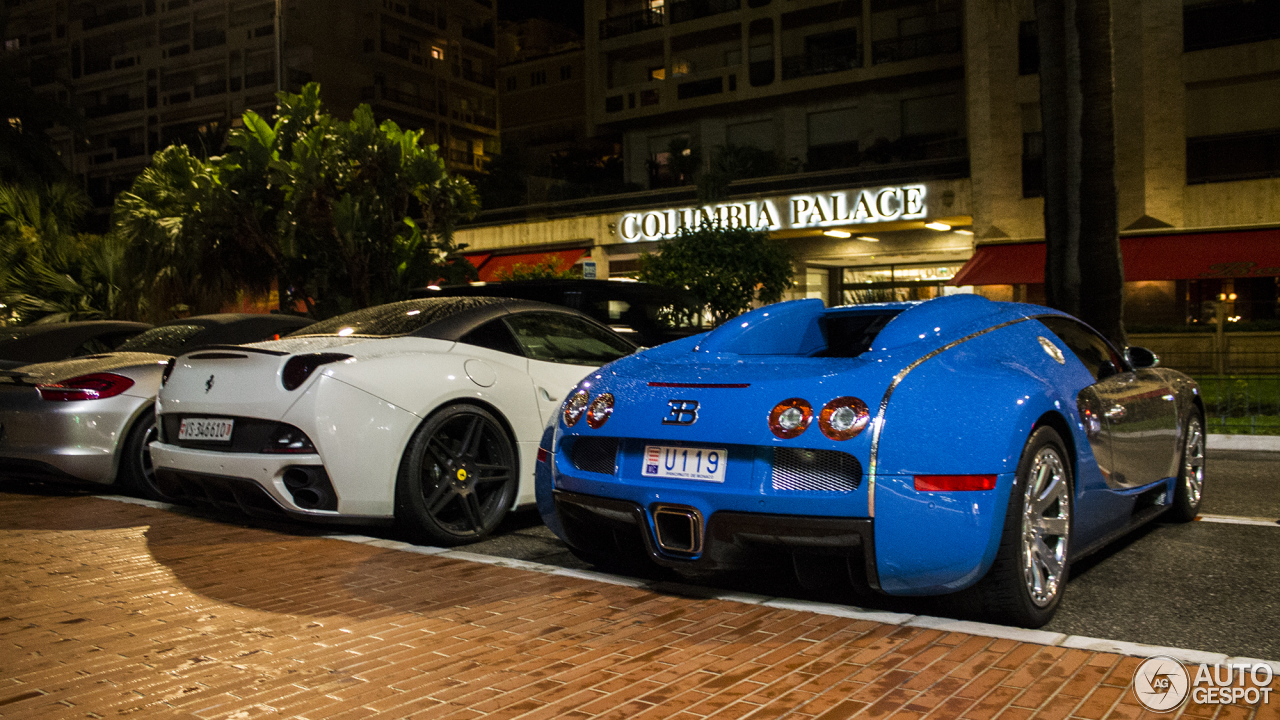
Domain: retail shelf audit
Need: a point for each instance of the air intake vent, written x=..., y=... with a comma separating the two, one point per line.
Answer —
x=827, y=471
x=595, y=454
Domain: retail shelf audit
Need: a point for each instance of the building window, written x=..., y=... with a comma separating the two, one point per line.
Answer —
x=511, y=83
x=1234, y=156
x=658, y=73
x=896, y=283
x=538, y=77
x=566, y=72
x=437, y=53
x=1231, y=22
x=1028, y=48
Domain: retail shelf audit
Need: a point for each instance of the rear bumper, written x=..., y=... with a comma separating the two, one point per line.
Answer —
x=254, y=483
x=65, y=441
x=726, y=540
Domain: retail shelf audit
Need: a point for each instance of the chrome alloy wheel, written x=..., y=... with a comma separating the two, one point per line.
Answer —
x=1046, y=524
x=1193, y=461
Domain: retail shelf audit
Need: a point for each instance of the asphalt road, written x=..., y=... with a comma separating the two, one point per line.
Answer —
x=1206, y=585
x=1210, y=586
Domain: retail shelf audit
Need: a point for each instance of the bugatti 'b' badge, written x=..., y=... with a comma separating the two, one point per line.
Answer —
x=683, y=412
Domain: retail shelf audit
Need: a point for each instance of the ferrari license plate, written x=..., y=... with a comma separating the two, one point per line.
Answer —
x=206, y=429
x=685, y=463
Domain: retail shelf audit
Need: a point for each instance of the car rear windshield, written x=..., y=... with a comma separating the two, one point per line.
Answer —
x=164, y=340
x=402, y=318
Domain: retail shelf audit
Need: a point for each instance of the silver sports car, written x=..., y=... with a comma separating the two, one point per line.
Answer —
x=89, y=419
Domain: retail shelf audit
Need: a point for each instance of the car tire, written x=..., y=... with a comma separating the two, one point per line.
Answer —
x=457, y=478
x=137, y=476
x=1189, y=490
x=1025, y=583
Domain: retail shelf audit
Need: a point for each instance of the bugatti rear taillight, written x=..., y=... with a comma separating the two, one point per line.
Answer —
x=843, y=418
x=790, y=418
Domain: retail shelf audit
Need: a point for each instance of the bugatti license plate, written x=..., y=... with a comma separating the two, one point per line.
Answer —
x=685, y=463
x=206, y=429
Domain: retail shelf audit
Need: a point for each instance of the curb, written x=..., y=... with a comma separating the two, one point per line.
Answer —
x=1036, y=637
x=1265, y=443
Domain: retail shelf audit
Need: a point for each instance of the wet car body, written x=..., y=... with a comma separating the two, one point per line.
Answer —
x=428, y=411
x=70, y=420
x=955, y=416
x=56, y=341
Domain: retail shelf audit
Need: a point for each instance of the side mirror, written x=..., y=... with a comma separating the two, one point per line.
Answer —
x=1140, y=357
x=1106, y=370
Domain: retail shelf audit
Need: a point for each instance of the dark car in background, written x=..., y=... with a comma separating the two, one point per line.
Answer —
x=56, y=341
x=646, y=314
x=89, y=419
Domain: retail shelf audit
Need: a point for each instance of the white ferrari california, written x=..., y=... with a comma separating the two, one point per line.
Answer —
x=428, y=412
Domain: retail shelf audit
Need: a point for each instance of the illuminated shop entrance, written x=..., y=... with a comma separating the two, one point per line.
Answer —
x=895, y=283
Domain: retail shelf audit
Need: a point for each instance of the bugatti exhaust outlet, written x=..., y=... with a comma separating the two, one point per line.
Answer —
x=679, y=529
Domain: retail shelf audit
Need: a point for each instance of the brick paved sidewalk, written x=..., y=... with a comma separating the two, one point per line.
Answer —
x=110, y=610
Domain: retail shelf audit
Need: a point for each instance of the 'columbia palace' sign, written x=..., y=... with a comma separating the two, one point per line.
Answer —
x=793, y=212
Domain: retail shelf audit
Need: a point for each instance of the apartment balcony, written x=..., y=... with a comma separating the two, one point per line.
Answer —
x=821, y=63
x=261, y=77
x=486, y=79
x=119, y=151
x=412, y=100
x=113, y=15
x=686, y=10
x=114, y=106
x=630, y=23
x=909, y=47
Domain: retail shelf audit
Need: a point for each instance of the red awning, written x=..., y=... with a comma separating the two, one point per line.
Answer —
x=563, y=259
x=1192, y=256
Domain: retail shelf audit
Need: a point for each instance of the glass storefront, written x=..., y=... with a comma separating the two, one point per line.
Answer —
x=896, y=283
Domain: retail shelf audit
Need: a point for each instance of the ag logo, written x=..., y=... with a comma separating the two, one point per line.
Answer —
x=1161, y=684
x=683, y=412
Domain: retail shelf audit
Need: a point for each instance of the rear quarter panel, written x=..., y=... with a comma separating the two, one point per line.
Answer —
x=970, y=410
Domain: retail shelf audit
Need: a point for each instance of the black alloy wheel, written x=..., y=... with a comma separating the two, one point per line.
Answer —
x=137, y=476
x=457, y=478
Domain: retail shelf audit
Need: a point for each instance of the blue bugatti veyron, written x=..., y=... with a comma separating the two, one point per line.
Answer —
x=957, y=445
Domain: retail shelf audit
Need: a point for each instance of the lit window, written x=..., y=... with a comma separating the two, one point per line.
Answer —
x=11, y=44
x=658, y=73
x=437, y=53
x=681, y=67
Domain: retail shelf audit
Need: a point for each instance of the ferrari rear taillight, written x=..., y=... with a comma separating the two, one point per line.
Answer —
x=843, y=418
x=790, y=418
x=299, y=367
x=168, y=370
x=574, y=407
x=599, y=410
x=96, y=386
x=954, y=483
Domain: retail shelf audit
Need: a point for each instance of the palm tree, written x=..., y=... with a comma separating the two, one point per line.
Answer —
x=1084, y=273
x=48, y=270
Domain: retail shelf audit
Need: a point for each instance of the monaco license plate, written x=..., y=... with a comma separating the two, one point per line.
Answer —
x=206, y=429
x=685, y=463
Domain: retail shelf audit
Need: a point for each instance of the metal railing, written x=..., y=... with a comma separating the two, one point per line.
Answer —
x=821, y=63
x=1241, y=404
x=630, y=23
x=939, y=42
x=686, y=10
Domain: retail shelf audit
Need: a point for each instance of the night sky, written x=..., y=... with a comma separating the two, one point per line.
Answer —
x=565, y=12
